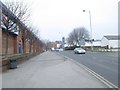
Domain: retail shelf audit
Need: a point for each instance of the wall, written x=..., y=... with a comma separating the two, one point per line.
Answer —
x=110, y=43
x=97, y=43
x=0, y=49
x=104, y=42
x=0, y=43
x=19, y=41
x=12, y=43
x=27, y=46
x=113, y=43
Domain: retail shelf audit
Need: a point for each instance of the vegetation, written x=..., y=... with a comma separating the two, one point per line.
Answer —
x=76, y=35
x=71, y=47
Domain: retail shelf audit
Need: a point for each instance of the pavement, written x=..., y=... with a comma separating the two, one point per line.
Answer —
x=0, y=80
x=49, y=70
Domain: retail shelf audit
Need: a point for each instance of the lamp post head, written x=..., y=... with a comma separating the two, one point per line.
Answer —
x=83, y=10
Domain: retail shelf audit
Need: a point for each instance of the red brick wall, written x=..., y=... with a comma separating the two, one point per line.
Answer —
x=19, y=41
x=27, y=46
x=0, y=49
x=3, y=43
x=12, y=43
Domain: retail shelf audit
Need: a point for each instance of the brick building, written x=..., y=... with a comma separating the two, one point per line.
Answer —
x=12, y=42
x=16, y=44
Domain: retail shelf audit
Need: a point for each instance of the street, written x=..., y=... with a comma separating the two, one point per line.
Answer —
x=49, y=70
x=41, y=44
x=103, y=63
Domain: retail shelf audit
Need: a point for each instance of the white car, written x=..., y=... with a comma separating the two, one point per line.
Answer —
x=59, y=49
x=79, y=51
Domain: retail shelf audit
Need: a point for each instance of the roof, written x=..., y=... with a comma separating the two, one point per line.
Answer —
x=112, y=37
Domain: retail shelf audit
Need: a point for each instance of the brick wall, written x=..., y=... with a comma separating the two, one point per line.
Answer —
x=0, y=49
x=19, y=41
x=26, y=46
x=0, y=42
x=12, y=43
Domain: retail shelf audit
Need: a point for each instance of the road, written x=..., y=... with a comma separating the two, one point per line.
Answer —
x=49, y=70
x=103, y=63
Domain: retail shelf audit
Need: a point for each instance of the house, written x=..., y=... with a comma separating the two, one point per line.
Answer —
x=95, y=43
x=110, y=41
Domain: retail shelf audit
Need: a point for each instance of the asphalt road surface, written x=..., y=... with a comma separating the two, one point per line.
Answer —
x=103, y=63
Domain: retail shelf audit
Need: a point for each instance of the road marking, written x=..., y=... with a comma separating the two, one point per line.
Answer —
x=99, y=77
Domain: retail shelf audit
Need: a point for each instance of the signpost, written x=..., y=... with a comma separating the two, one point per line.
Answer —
x=82, y=42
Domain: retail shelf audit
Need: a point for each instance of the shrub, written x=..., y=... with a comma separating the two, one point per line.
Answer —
x=71, y=47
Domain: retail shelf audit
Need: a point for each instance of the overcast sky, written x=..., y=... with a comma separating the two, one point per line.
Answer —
x=57, y=18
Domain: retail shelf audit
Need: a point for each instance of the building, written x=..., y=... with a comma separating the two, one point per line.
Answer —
x=58, y=44
x=55, y=45
x=110, y=41
x=12, y=42
x=95, y=43
x=18, y=39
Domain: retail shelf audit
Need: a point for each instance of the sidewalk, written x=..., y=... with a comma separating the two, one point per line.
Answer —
x=49, y=70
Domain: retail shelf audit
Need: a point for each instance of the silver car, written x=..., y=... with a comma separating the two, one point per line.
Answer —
x=79, y=51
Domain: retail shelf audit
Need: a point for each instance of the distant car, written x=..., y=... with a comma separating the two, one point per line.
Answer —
x=59, y=49
x=52, y=49
x=79, y=51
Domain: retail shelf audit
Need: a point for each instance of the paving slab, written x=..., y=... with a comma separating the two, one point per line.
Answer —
x=49, y=70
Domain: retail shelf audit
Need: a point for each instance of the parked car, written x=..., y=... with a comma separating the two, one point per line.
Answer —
x=79, y=51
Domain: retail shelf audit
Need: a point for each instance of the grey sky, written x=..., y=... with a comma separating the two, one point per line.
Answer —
x=57, y=18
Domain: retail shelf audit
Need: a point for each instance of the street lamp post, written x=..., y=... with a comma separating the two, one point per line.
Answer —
x=90, y=27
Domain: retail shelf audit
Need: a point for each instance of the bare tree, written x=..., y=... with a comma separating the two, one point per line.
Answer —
x=70, y=39
x=76, y=35
x=21, y=11
x=33, y=32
